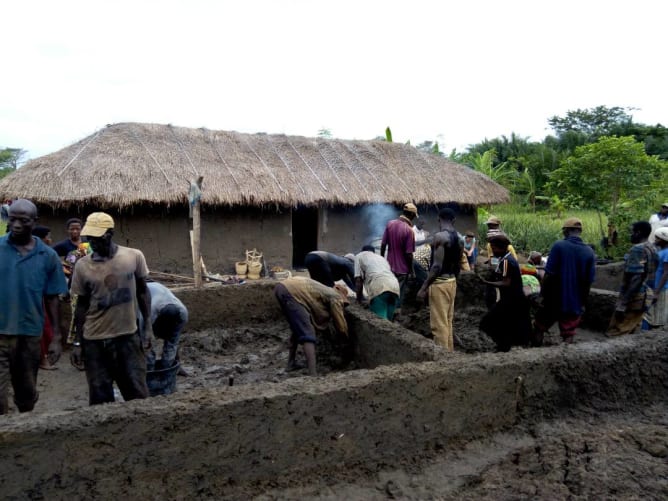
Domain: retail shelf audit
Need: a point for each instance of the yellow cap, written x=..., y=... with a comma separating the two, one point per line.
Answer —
x=572, y=222
x=97, y=224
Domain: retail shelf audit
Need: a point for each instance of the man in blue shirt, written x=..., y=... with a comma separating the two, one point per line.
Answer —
x=168, y=317
x=32, y=279
x=569, y=273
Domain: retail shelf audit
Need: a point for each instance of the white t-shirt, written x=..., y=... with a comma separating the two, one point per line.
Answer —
x=657, y=223
x=376, y=273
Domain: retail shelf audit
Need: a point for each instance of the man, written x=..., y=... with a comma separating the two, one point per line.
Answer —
x=32, y=279
x=635, y=294
x=308, y=307
x=64, y=247
x=373, y=272
x=168, y=317
x=493, y=224
x=111, y=285
x=659, y=220
x=569, y=273
x=44, y=234
x=418, y=230
x=399, y=236
x=442, y=279
x=493, y=228
x=658, y=313
x=328, y=268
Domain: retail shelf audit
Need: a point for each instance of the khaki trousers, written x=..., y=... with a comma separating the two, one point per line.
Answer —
x=441, y=311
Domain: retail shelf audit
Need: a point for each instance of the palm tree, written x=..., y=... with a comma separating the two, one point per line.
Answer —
x=502, y=173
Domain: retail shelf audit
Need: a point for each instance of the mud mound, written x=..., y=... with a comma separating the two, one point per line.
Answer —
x=251, y=354
x=584, y=456
x=467, y=335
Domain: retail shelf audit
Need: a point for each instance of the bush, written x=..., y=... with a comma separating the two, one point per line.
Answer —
x=538, y=231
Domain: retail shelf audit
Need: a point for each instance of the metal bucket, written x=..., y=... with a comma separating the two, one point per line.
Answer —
x=162, y=381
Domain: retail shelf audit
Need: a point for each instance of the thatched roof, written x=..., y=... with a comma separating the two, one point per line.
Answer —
x=132, y=163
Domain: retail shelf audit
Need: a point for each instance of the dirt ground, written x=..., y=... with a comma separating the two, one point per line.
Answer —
x=212, y=357
x=584, y=454
x=259, y=353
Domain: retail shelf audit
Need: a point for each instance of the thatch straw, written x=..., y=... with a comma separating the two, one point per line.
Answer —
x=131, y=163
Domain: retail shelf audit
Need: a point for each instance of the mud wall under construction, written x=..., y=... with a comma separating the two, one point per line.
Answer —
x=218, y=442
x=230, y=441
x=377, y=342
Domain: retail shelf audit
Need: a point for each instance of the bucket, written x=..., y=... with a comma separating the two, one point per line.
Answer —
x=282, y=275
x=254, y=270
x=162, y=381
x=241, y=268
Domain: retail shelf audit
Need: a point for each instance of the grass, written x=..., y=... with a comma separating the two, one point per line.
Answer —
x=538, y=231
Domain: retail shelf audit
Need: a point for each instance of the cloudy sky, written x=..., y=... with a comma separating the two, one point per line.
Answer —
x=455, y=72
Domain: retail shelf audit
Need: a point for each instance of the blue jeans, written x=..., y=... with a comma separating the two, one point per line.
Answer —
x=167, y=327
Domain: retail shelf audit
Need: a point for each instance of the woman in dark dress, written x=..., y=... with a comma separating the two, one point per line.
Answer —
x=508, y=323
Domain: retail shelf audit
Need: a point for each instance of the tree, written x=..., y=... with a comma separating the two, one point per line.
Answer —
x=430, y=147
x=613, y=175
x=11, y=158
x=501, y=173
x=592, y=122
x=325, y=132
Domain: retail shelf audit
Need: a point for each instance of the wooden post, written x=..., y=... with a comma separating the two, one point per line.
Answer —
x=194, y=198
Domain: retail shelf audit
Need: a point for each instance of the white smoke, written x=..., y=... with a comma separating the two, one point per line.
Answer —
x=375, y=217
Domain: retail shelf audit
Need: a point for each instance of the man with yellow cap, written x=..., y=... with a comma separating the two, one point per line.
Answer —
x=569, y=274
x=111, y=285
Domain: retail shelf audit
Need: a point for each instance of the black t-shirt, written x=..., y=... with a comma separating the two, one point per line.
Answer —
x=64, y=247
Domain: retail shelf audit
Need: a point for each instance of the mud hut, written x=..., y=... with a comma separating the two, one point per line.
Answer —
x=283, y=195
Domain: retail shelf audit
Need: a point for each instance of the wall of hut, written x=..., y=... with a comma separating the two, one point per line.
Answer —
x=162, y=233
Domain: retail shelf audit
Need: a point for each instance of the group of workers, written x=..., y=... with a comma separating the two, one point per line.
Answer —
x=113, y=296
x=523, y=300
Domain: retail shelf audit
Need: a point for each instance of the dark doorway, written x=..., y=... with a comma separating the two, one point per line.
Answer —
x=304, y=233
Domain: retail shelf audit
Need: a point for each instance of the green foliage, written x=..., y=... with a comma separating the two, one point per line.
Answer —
x=430, y=147
x=325, y=132
x=592, y=123
x=5, y=172
x=11, y=158
x=388, y=135
x=606, y=175
x=538, y=231
x=503, y=173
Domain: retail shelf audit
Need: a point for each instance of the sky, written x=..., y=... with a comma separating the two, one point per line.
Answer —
x=452, y=72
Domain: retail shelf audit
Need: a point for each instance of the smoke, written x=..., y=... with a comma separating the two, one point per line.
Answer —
x=375, y=217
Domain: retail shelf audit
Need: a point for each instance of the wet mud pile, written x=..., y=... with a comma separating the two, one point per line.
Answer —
x=585, y=455
x=253, y=354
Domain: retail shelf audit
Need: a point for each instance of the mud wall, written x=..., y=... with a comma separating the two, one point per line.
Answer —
x=163, y=236
x=377, y=342
x=253, y=302
x=228, y=442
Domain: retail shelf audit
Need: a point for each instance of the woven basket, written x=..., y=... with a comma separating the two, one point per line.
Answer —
x=241, y=268
x=253, y=256
x=254, y=270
